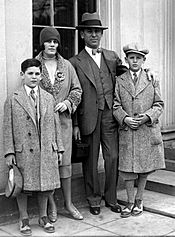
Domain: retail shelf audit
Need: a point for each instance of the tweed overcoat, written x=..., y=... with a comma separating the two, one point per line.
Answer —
x=87, y=111
x=36, y=153
x=140, y=150
x=66, y=89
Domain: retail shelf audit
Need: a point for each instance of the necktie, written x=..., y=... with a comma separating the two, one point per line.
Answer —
x=94, y=51
x=135, y=78
x=33, y=96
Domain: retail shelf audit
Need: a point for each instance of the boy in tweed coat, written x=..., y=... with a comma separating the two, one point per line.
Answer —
x=137, y=107
x=32, y=142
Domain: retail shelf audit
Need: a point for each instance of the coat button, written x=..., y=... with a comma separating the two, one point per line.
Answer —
x=29, y=134
x=28, y=117
x=31, y=150
x=135, y=114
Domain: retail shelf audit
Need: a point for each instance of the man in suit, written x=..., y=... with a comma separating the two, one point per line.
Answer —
x=94, y=122
x=32, y=142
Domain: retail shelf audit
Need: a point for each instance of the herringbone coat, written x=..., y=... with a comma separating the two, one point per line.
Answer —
x=36, y=153
x=140, y=150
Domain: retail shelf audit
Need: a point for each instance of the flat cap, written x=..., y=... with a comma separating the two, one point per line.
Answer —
x=135, y=48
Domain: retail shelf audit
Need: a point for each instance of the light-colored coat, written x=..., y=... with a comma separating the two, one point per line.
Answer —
x=66, y=89
x=140, y=150
x=36, y=155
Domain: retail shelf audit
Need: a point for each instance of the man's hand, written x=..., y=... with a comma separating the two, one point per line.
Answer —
x=60, y=158
x=60, y=107
x=131, y=122
x=10, y=160
x=76, y=133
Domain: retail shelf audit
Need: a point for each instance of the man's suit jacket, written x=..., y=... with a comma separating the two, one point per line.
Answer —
x=87, y=111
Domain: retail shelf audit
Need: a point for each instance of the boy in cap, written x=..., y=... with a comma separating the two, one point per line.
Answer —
x=137, y=108
x=32, y=141
x=94, y=122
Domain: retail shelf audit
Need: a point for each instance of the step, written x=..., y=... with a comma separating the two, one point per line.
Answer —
x=169, y=153
x=162, y=181
x=162, y=204
x=170, y=165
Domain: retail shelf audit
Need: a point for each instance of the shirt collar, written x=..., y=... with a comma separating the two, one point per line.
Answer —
x=137, y=73
x=89, y=50
x=28, y=89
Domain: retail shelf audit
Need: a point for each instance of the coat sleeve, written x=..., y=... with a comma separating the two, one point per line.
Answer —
x=158, y=105
x=8, y=140
x=118, y=111
x=58, y=130
x=75, y=93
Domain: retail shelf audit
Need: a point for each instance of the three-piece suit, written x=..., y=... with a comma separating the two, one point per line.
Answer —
x=96, y=122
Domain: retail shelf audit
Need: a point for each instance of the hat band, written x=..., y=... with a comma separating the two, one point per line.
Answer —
x=91, y=22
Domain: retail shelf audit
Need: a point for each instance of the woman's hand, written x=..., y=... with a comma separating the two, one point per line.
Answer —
x=143, y=118
x=10, y=160
x=60, y=107
x=60, y=158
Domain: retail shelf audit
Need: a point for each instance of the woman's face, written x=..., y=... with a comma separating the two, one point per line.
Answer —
x=50, y=47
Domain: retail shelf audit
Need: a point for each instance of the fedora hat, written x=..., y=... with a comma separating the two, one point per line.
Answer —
x=135, y=48
x=15, y=182
x=91, y=20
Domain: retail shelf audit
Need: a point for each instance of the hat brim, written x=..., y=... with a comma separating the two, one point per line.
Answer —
x=91, y=26
x=137, y=52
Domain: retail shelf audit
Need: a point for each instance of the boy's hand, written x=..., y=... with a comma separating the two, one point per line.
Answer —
x=143, y=118
x=10, y=160
x=131, y=122
x=60, y=107
x=60, y=158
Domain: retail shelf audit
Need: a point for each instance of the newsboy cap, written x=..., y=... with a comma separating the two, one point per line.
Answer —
x=49, y=33
x=135, y=48
x=91, y=20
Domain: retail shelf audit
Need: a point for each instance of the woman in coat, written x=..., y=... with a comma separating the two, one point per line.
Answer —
x=59, y=79
x=137, y=108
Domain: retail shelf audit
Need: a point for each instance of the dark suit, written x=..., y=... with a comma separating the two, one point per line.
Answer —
x=96, y=122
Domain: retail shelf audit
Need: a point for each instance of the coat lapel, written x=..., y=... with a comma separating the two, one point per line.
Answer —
x=127, y=83
x=143, y=83
x=24, y=101
x=83, y=58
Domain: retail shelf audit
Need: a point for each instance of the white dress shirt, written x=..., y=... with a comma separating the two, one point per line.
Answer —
x=96, y=57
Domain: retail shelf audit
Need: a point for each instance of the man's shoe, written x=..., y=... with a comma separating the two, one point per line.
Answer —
x=25, y=227
x=52, y=215
x=94, y=210
x=127, y=210
x=138, y=208
x=114, y=207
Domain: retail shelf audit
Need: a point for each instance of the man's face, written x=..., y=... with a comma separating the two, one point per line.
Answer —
x=92, y=37
x=135, y=61
x=31, y=76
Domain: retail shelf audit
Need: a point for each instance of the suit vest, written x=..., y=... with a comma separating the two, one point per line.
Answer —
x=104, y=83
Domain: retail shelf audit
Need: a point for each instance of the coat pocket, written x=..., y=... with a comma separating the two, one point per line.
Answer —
x=156, y=136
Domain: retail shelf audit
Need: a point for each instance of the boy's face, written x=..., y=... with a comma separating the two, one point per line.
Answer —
x=135, y=61
x=31, y=76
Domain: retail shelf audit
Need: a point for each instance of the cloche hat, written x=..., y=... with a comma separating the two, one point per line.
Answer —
x=91, y=20
x=49, y=33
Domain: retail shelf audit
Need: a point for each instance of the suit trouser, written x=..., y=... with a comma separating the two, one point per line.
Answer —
x=105, y=134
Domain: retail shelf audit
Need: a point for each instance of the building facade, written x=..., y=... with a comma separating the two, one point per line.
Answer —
x=145, y=21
